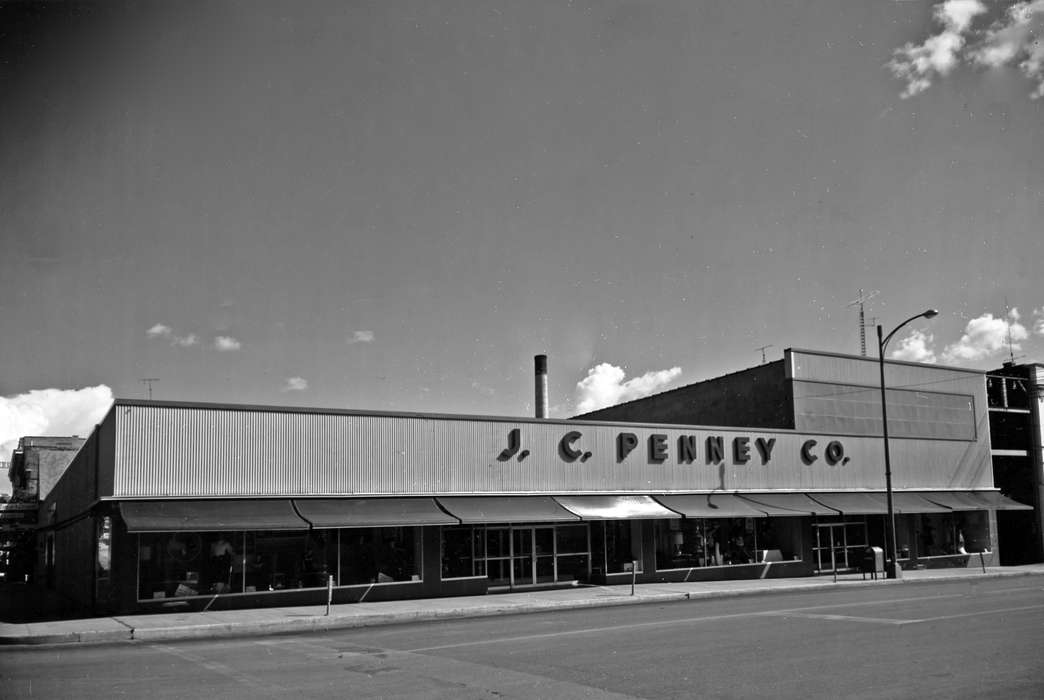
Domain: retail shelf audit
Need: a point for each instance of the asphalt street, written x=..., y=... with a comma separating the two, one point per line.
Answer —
x=962, y=639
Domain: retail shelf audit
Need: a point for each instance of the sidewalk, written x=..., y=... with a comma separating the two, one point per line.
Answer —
x=171, y=626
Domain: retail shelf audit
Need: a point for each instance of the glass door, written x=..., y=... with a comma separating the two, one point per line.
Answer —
x=544, y=555
x=522, y=557
x=525, y=555
x=498, y=556
x=839, y=546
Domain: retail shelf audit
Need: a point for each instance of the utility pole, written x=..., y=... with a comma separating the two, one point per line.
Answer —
x=863, y=298
x=763, y=348
x=148, y=382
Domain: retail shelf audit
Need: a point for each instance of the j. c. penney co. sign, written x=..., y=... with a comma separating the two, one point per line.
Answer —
x=659, y=448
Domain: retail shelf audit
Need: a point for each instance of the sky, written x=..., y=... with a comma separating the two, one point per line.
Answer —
x=395, y=205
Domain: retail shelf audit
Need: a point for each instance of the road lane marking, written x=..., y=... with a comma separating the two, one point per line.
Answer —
x=586, y=630
x=1005, y=591
x=689, y=620
x=974, y=613
x=846, y=618
x=677, y=621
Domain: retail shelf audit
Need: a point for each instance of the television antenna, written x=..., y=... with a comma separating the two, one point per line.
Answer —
x=148, y=382
x=1011, y=344
x=763, y=348
x=861, y=301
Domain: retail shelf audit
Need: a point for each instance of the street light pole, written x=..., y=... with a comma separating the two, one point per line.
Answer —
x=891, y=555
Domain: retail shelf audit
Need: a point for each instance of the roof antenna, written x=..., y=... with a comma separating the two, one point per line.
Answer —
x=1011, y=344
x=763, y=348
x=863, y=298
x=148, y=382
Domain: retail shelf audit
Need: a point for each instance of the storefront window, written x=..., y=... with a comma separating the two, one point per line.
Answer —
x=379, y=555
x=463, y=552
x=698, y=542
x=973, y=532
x=573, y=546
x=623, y=545
x=172, y=565
x=936, y=536
x=275, y=561
x=965, y=532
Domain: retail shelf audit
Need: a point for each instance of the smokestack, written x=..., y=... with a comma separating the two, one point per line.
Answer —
x=540, y=369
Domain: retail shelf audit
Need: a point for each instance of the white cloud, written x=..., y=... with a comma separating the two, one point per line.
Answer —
x=1038, y=321
x=226, y=343
x=1017, y=37
x=604, y=386
x=1015, y=40
x=985, y=337
x=295, y=384
x=916, y=347
x=361, y=337
x=185, y=341
x=163, y=331
x=53, y=412
x=918, y=64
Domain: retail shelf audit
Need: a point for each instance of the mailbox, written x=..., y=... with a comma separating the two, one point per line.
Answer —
x=873, y=562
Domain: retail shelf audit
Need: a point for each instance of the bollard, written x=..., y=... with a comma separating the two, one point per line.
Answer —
x=982, y=562
x=634, y=573
x=329, y=594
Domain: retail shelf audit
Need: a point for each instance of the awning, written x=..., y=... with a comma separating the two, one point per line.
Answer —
x=994, y=499
x=615, y=507
x=787, y=504
x=904, y=502
x=198, y=516
x=852, y=503
x=371, y=512
x=505, y=509
x=711, y=505
x=974, y=500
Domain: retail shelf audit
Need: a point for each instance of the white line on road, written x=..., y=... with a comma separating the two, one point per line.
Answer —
x=678, y=621
x=973, y=613
x=843, y=618
x=1005, y=591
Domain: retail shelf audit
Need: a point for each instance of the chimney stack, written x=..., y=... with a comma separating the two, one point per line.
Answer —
x=540, y=368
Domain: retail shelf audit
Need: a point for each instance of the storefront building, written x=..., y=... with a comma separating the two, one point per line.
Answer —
x=206, y=506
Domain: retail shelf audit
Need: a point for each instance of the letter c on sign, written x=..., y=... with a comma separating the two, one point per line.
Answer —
x=565, y=446
x=807, y=455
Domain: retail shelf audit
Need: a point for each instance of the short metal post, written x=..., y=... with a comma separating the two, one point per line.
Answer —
x=329, y=594
x=634, y=573
x=982, y=561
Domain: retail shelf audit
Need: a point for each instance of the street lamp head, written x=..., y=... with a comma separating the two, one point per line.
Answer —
x=930, y=313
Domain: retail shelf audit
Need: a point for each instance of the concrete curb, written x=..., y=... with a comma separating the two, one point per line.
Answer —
x=107, y=633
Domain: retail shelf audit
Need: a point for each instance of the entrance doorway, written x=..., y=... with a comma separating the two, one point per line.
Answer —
x=527, y=555
x=839, y=546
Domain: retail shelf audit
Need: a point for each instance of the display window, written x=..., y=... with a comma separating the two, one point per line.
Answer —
x=174, y=565
x=945, y=534
x=623, y=546
x=702, y=542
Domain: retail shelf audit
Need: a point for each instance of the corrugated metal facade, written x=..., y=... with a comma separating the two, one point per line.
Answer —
x=165, y=450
